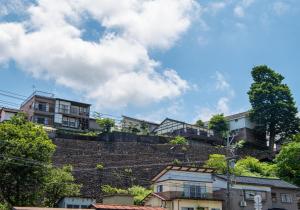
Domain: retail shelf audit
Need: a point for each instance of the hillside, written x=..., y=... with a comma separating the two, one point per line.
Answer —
x=129, y=159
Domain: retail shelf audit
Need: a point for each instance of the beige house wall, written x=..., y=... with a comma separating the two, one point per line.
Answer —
x=178, y=204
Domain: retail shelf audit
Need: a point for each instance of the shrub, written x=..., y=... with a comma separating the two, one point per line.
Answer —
x=176, y=162
x=179, y=140
x=100, y=166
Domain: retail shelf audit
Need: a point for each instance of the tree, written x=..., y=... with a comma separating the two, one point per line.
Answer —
x=218, y=162
x=59, y=183
x=248, y=166
x=199, y=123
x=273, y=107
x=26, y=152
x=288, y=159
x=106, y=124
x=219, y=125
x=27, y=176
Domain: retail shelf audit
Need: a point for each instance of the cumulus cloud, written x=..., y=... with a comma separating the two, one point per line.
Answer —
x=115, y=70
x=222, y=104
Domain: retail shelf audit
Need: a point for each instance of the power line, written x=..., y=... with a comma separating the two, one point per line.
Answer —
x=12, y=96
x=12, y=93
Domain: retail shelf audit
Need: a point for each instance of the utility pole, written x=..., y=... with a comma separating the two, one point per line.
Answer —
x=230, y=156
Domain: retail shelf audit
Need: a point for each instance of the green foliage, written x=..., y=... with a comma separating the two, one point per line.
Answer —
x=199, y=123
x=107, y=189
x=218, y=162
x=248, y=166
x=106, y=124
x=100, y=166
x=176, y=162
x=4, y=206
x=26, y=153
x=273, y=106
x=26, y=174
x=138, y=192
x=59, y=183
x=179, y=140
x=288, y=167
x=219, y=125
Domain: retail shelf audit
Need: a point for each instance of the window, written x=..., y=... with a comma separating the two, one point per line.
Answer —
x=159, y=188
x=286, y=198
x=64, y=108
x=249, y=194
x=84, y=206
x=72, y=122
x=70, y=206
x=274, y=197
x=193, y=191
x=65, y=121
x=236, y=120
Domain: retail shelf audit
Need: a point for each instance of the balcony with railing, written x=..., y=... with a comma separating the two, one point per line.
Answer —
x=188, y=192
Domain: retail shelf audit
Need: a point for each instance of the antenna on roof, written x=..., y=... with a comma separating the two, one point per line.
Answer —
x=33, y=88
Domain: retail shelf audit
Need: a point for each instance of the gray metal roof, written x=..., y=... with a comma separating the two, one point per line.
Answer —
x=262, y=181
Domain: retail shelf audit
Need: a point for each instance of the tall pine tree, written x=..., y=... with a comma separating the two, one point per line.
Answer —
x=273, y=107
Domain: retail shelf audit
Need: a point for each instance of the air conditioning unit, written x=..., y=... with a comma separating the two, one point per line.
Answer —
x=243, y=204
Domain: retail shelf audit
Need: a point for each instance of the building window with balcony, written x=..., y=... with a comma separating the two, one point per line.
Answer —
x=194, y=191
x=286, y=198
x=74, y=110
x=64, y=108
x=41, y=106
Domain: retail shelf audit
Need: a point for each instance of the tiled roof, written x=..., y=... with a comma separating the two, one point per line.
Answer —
x=262, y=181
x=123, y=207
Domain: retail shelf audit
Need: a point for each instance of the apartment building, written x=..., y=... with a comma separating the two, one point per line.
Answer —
x=44, y=108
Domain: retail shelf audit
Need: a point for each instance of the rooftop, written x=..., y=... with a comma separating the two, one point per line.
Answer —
x=139, y=120
x=237, y=116
x=273, y=182
x=10, y=110
x=183, y=168
x=124, y=207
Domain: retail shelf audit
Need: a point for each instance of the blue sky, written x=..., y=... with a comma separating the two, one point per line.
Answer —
x=182, y=59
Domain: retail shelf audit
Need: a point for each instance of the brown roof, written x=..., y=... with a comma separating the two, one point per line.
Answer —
x=42, y=208
x=123, y=207
x=182, y=168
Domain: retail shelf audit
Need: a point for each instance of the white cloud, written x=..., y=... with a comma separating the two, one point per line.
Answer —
x=173, y=110
x=280, y=7
x=222, y=104
x=115, y=70
x=215, y=7
x=239, y=9
x=221, y=82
